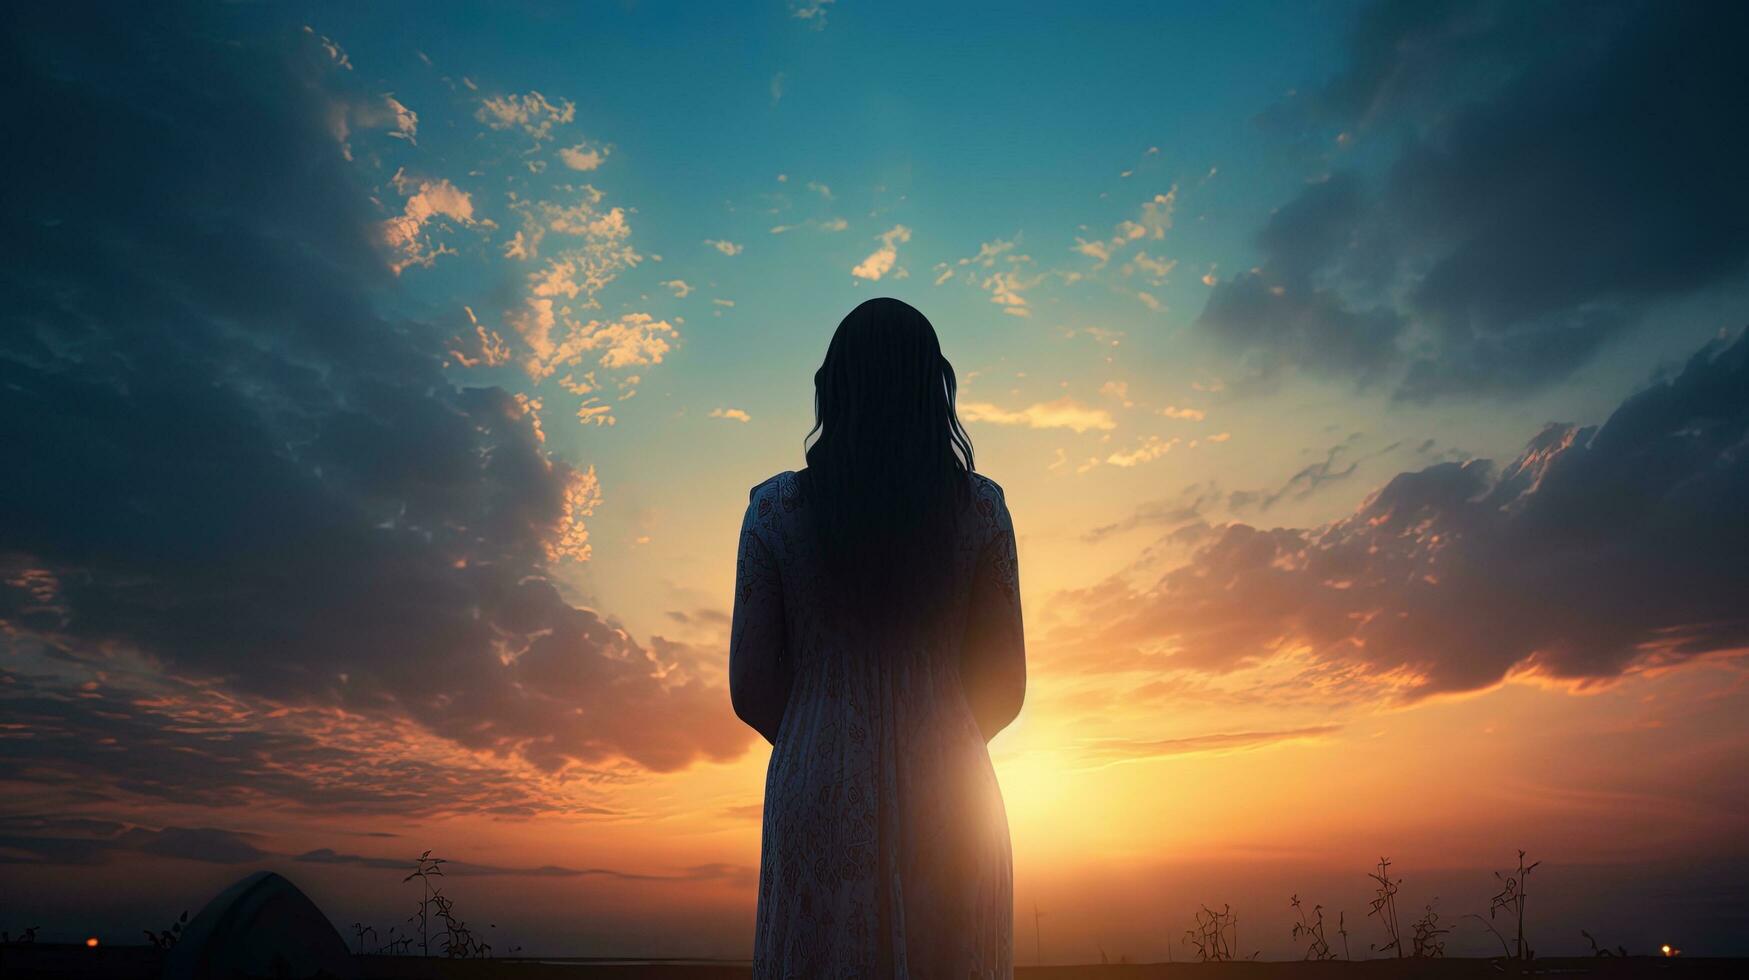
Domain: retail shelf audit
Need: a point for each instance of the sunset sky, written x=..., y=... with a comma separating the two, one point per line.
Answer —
x=383, y=385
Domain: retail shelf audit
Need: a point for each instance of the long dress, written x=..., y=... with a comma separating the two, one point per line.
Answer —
x=885, y=849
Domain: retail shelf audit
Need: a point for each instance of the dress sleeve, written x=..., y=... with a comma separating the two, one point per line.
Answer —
x=993, y=671
x=759, y=673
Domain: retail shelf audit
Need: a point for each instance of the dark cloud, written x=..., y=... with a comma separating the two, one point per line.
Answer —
x=1543, y=198
x=1185, y=509
x=1601, y=548
x=1279, y=314
x=225, y=456
x=100, y=744
x=48, y=840
x=1310, y=478
x=1188, y=512
x=459, y=869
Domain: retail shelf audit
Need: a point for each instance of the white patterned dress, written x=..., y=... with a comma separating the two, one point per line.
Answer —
x=885, y=849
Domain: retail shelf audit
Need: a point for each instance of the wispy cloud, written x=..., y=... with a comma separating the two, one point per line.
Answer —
x=998, y=270
x=1063, y=413
x=585, y=156
x=812, y=11
x=430, y=201
x=882, y=260
x=1111, y=751
x=1150, y=224
x=534, y=114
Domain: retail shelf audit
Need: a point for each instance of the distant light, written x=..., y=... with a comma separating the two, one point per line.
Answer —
x=92, y=942
x=1668, y=951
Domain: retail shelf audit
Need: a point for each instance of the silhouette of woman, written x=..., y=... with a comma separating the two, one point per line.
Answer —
x=877, y=644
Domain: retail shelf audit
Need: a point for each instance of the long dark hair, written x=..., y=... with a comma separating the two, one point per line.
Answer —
x=888, y=475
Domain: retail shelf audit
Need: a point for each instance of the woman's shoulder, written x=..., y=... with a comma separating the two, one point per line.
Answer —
x=987, y=493
x=989, y=502
x=771, y=485
x=778, y=493
x=983, y=486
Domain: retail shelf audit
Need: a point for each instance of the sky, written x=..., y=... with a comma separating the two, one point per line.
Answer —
x=1368, y=382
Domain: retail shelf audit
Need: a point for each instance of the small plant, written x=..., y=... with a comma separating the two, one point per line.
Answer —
x=1317, y=948
x=457, y=940
x=1596, y=950
x=1384, y=905
x=166, y=938
x=359, y=929
x=425, y=868
x=1511, y=901
x=1214, y=935
x=1424, y=937
x=395, y=945
x=1342, y=930
x=1505, y=950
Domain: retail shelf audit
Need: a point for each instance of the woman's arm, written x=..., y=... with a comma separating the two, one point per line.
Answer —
x=759, y=674
x=993, y=669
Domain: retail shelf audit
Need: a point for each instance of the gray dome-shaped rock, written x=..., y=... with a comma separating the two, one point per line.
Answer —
x=262, y=926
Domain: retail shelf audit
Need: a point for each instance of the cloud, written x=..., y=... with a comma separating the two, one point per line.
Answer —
x=1539, y=204
x=1157, y=269
x=51, y=840
x=1004, y=279
x=406, y=232
x=1281, y=314
x=90, y=842
x=595, y=248
x=812, y=11
x=1151, y=223
x=465, y=869
x=335, y=53
x=556, y=338
x=1063, y=413
x=592, y=233
x=243, y=473
x=724, y=246
x=533, y=113
x=489, y=348
x=1114, y=750
x=121, y=742
x=1150, y=449
x=1599, y=550
x=881, y=260
x=349, y=110
x=732, y=414
x=828, y=224
x=1185, y=510
x=1307, y=480
x=584, y=156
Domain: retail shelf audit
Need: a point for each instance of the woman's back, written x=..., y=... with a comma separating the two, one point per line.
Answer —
x=886, y=847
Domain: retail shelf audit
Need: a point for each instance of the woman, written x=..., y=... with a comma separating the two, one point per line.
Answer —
x=877, y=645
